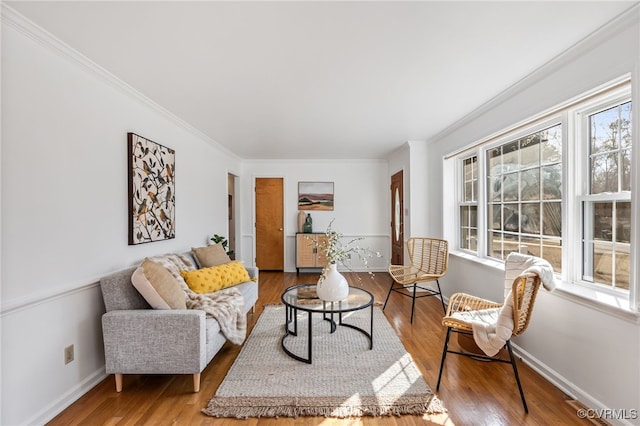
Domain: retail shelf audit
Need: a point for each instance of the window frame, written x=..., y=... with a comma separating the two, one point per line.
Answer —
x=533, y=128
x=580, y=116
x=575, y=155
x=464, y=203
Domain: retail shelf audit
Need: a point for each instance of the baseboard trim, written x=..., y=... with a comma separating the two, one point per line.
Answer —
x=566, y=386
x=58, y=406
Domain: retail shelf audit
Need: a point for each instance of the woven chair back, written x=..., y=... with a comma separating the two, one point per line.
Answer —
x=429, y=255
x=524, y=290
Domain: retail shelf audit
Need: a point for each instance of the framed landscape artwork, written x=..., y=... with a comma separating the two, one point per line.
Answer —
x=151, y=190
x=315, y=195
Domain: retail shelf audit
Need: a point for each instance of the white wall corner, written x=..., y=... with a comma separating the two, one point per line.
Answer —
x=38, y=34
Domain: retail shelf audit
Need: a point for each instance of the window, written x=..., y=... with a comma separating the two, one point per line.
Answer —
x=469, y=205
x=559, y=187
x=606, y=207
x=524, y=196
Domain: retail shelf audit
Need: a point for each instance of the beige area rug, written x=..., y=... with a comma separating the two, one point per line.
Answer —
x=346, y=379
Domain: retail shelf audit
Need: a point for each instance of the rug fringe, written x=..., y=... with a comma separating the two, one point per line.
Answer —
x=242, y=408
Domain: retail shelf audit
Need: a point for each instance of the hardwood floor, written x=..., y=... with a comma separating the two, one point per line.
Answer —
x=474, y=392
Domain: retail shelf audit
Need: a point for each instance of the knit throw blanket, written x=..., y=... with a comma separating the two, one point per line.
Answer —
x=225, y=306
x=493, y=327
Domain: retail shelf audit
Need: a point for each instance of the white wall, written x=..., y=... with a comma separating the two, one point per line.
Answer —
x=64, y=217
x=589, y=353
x=64, y=211
x=361, y=202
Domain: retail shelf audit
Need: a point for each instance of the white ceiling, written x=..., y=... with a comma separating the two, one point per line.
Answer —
x=295, y=80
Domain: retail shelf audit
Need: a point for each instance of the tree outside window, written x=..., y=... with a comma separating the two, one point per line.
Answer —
x=524, y=193
x=607, y=207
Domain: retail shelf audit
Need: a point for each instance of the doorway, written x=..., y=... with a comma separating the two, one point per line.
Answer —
x=270, y=224
x=397, y=219
x=231, y=191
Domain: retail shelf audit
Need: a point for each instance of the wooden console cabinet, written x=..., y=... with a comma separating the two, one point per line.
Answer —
x=307, y=255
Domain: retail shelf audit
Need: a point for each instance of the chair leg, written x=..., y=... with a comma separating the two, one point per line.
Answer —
x=444, y=355
x=413, y=301
x=388, y=294
x=515, y=372
x=444, y=308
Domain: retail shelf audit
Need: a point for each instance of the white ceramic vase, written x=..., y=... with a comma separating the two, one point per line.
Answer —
x=334, y=286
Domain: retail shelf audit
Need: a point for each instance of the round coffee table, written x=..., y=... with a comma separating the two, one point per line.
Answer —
x=303, y=298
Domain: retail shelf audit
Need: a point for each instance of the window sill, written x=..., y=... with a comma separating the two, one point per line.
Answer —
x=600, y=301
x=492, y=263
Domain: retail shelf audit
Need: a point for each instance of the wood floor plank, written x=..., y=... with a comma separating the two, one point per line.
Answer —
x=474, y=392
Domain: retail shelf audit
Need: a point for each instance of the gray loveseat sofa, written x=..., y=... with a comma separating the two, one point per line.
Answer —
x=142, y=340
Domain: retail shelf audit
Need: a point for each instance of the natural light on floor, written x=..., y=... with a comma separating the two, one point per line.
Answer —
x=400, y=375
x=402, y=367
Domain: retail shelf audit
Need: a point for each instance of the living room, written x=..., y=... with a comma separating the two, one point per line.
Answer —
x=64, y=179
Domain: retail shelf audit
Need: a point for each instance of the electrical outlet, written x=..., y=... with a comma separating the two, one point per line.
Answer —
x=68, y=354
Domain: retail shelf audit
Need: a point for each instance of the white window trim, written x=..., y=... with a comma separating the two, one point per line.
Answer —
x=578, y=124
x=634, y=278
x=534, y=127
x=460, y=197
x=622, y=304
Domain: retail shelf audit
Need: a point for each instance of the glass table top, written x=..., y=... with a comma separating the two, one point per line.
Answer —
x=304, y=297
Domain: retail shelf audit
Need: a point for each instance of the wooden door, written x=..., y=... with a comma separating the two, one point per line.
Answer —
x=270, y=224
x=397, y=219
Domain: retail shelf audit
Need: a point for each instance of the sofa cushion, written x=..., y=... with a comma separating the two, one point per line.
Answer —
x=214, y=278
x=249, y=292
x=212, y=255
x=158, y=287
x=212, y=327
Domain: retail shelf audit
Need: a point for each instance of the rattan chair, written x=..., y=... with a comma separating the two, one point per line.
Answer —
x=429, y=259
x=463, y=307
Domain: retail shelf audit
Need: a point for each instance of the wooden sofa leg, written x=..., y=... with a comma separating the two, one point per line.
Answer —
x=196, y=382
x=118, y=382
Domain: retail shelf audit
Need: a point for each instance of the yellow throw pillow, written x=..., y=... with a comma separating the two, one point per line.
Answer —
x=214, y=278
x=212, y=255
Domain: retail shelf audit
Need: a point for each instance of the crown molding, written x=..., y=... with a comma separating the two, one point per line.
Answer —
x=315, y=160
x=620, y=23
x=33, y=31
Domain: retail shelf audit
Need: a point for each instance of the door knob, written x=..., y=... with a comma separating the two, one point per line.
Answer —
x=281, y=229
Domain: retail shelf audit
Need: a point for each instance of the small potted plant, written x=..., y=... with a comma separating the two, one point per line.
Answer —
x=219, y=239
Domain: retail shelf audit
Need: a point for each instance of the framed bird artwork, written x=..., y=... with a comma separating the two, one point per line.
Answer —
x=151, y=190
